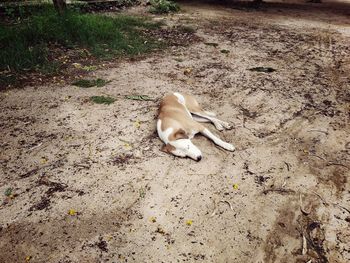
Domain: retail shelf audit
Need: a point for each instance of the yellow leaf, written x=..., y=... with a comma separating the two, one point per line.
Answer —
x=28, y=258
x=127, y=145
x=153, y=219
x=187, y=71
x=72, y=212
x=77, y=65
x=189, y=222
x=43, y=160
x=137, y=124
x=235, y=186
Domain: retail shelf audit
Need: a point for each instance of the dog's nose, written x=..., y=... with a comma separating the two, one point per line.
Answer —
x=199, y=158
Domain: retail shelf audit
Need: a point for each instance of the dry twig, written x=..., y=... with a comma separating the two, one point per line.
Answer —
x=280, y=190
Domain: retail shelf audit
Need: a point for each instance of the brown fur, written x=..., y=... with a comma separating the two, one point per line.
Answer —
x=173, y=114
x=168, y=148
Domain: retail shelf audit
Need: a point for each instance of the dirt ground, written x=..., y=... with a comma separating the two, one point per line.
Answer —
x=90, y=184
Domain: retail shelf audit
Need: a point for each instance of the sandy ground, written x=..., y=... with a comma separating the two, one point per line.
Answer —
x=283, y=196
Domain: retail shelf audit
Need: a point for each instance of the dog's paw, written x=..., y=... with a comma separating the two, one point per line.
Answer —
x=219, y=126
x=226, y=125
x=229, y=147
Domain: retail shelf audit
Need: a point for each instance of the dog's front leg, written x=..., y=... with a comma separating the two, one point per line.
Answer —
x=217, y=141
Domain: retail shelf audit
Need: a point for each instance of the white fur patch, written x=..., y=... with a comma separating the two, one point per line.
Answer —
x=181, y=99
x=184, y=147
x=163, y=135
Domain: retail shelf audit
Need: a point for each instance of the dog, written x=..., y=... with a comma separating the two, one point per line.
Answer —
x=179, y=120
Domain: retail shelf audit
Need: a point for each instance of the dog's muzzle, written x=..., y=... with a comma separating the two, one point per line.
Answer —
x=199, y=158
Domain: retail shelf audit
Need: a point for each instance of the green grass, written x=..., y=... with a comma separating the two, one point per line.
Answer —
x=163, y=7
x=6, y=80
x=212, y=44
x=26, y=46
x=102, y=100
x=89, y=83
x=186, y=29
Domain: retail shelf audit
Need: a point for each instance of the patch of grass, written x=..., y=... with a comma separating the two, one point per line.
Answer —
x=212, y=44
x=7, y=80
x=8, y=191
x=25, y=46
x=102, y=100
x=88, y=83
x=187, y=29
x=163, y=7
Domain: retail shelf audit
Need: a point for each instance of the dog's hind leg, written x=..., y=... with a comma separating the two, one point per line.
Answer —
x=219, y=124
x=196, y=110
x=199, y=119
x=217, y=141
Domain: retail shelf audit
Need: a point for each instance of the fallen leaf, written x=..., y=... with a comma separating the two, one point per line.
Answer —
x=72, y=212
x=137, y=124
x=153, y=219
x=188, y=71
x=127, y=145
x=28, y=258
x=43, y=160
x=189, y=222
x=77, y=65
x=235, y=186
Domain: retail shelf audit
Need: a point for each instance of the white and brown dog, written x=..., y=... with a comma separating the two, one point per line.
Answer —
x=178, y=121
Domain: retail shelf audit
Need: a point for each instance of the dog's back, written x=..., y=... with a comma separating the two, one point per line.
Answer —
x=176, y=125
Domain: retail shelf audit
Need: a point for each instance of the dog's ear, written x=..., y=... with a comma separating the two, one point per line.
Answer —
x=167, y=148
x=180, y=134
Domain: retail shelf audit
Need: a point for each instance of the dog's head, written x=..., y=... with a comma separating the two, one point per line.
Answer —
x=182, y=146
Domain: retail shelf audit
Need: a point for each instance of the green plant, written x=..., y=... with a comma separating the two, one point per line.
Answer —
x=8, y=192
x=25, y=46
x=163, y=6
x=87, y=83
x=7, y=80
x=186, y=29
x=102, y=100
